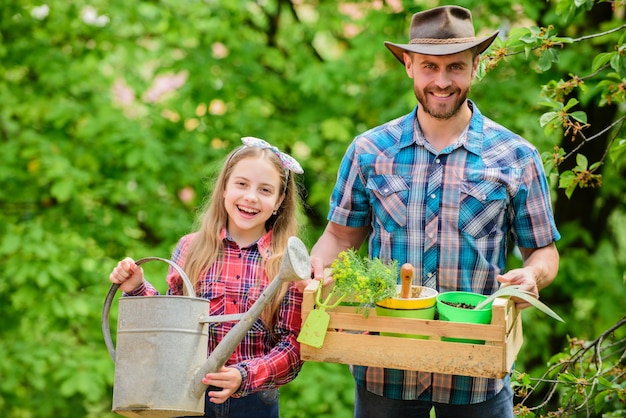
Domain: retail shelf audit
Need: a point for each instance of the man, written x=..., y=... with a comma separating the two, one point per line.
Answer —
x=445, y=189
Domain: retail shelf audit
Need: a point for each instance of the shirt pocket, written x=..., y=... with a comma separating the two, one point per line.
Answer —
x=482, y=208
x=216, y=295
x=252, y=296
x=388, y=198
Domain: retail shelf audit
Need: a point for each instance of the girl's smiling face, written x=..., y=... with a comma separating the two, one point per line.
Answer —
x=251, y=196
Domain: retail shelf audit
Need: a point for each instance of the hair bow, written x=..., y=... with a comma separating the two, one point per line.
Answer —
x=288, y=161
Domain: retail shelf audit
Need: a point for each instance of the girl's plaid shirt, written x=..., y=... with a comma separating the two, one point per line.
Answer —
x=232, y=285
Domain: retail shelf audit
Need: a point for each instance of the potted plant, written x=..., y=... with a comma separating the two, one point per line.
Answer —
x=372, y=282
x=410, y=301
x=363, y=281
x=475, y=308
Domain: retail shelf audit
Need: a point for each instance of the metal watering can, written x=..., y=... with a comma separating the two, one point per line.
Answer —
x=162, y=342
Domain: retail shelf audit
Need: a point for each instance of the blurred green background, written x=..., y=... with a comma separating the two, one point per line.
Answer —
x=114, y=116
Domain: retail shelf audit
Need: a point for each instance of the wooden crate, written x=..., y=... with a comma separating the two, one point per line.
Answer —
x=346, y=342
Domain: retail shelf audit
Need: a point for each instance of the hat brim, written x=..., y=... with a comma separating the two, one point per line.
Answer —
x=440, y=49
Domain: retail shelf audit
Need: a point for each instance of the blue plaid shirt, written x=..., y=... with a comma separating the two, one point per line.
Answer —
x=450, y=214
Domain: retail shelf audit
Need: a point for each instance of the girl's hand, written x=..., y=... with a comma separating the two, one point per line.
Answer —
x=127, y=274
x=228, y=378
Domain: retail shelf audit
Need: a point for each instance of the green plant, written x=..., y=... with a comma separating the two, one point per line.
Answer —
x=515, y=291
x=586, y=379
x=362, y=279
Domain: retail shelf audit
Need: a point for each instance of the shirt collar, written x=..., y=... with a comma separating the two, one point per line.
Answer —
x=472, y=141
x=264, y=243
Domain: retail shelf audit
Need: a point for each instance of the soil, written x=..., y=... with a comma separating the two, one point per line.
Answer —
x=460, y=305
x=416, y=292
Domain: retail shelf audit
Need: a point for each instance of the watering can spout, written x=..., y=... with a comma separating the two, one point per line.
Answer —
x=295, y=266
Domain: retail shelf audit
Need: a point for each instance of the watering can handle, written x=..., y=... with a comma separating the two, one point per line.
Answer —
x=106, y=328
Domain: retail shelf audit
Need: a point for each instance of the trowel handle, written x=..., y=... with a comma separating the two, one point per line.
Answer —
x=406, y=276
x=106, y=328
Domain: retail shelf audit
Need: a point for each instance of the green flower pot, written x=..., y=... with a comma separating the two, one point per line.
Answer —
x=461, y=314
x=422, y=307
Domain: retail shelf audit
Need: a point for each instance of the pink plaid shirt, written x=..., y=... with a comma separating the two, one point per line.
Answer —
x=233, y=284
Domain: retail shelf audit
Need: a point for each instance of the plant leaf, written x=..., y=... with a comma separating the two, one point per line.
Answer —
x=503, y=291
x=522, y=294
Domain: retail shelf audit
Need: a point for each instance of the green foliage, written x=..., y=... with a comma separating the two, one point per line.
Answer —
x=305, y=398
x=115, y=115
x=601, y=83
x=580, y=176
x=362, y=279
x=587, y=376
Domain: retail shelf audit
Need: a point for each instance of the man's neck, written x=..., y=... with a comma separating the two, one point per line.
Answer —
x=441, y=133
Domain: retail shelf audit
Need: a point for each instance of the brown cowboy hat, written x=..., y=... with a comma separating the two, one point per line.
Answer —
x=443, y=30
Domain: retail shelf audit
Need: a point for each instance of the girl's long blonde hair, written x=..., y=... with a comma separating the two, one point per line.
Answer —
x=206, y=246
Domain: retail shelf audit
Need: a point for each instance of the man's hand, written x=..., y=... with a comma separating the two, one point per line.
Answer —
x=523, y=277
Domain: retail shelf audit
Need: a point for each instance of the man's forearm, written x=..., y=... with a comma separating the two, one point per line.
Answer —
x=335, y=239
x=544, y=263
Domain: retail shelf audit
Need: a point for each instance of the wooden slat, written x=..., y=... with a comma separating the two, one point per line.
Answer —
x=429, y=356
x=435, y=328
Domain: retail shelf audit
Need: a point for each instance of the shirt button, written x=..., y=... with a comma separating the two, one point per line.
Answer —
x=432, y=196
x=430, y=235
x=430, y=275
x=386, y=190
x=437, y=160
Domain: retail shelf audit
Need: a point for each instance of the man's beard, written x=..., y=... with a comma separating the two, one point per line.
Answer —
x=444, y=112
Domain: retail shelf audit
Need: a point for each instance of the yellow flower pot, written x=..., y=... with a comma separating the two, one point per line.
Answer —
x=421, y=306
x=423, y=297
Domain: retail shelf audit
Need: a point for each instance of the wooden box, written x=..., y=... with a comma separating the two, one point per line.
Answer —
x=349, y=340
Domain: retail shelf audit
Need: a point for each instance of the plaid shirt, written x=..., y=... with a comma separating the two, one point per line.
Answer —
x=459, y=206
x=233, y=284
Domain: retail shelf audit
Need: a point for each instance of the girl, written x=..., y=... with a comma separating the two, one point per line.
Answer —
x=236, y=250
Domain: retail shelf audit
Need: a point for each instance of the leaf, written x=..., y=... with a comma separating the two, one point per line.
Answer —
x=551, y=103
x=579, y=115
x=515, y=291
x=567, y=377
x=570, y=103
x=595, y=165
x=616, y=62
x=548, y=118
x=618, y=151
x=599, y=400
x=569, y=190
x=606, y=383
x=582, y=162
x=545, y=60
x=62, y=189
x=601, y=60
